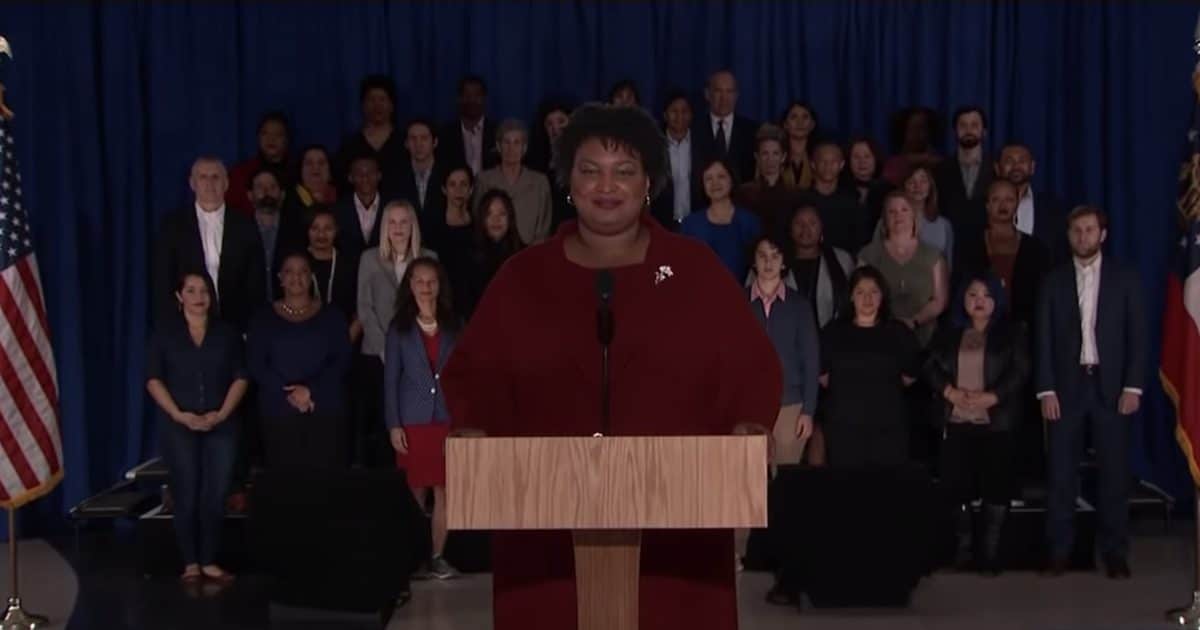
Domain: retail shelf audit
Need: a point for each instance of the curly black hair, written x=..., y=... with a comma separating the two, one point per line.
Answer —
x=628, y=128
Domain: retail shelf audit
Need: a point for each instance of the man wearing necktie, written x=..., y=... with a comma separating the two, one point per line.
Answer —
x=724, y=134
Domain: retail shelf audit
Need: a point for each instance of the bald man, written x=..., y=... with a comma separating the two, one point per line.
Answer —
x=721, y=132
x=206, y=238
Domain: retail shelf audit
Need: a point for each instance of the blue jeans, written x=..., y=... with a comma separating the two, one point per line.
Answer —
x=200, y=465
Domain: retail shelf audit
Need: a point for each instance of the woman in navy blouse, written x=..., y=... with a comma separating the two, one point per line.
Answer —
x=194, y=373
x=297, y=352
x=419, y=341
x=727, y=229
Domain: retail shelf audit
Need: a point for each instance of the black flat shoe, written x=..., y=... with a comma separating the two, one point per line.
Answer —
x=1117, y=568
x=777, y=596
x=1055, y=567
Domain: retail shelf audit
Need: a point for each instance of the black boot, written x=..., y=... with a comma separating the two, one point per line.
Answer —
x=993, y=526
x=963, y=538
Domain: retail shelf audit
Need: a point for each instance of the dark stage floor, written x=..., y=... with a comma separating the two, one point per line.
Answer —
x=111, y=594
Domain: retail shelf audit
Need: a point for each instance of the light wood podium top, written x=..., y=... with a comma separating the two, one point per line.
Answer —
x=587, y=483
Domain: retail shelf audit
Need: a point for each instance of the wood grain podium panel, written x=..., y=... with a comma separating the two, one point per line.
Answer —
x=589, y=483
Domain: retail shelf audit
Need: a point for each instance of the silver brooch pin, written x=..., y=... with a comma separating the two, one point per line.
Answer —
x=664, y=272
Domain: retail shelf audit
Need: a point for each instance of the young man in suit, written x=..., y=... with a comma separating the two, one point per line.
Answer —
x=470, y=139
x=722, y=133
x=422, y=177
x=674, y=203
x=206, y=237
x=1091, y=352
x=1039, y=214
x=963, y=179
x=361, y=212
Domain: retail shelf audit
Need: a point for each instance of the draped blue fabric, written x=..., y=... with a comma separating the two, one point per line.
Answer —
x=114, y=100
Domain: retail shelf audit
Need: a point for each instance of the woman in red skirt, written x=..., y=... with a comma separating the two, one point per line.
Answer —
x=419, y=341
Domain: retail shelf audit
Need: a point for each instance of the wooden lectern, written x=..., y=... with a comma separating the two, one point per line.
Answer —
x=606, y=490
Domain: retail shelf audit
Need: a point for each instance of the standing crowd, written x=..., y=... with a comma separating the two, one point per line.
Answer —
x=925, y=308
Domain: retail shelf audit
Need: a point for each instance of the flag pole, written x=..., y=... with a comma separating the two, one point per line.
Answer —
x=15, y=617
x=1189, y=616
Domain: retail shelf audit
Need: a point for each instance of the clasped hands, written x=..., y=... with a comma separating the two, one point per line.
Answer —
x=199, y=421
x=974, y=401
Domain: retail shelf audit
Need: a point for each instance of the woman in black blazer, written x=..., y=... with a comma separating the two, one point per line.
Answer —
x=979, y=367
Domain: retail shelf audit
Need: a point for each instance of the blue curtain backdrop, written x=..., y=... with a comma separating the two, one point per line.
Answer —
x=114, y=100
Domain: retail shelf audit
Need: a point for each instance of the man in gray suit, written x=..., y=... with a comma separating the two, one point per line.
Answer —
x=1091, y=354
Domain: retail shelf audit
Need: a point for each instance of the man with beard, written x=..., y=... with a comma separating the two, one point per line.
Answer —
x=470, y=140
x=1091, y=351
x=1038, y=214
x=279, y=234
x=962, y=180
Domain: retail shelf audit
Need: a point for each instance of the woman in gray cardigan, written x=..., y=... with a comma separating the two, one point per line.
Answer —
x=379, y=273
x=420, y=340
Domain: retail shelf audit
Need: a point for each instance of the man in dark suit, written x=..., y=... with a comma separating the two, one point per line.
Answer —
x=470, y=140
x=962, y=180
x=676, y=201
x=422, y=178
x=206, y=237
x=1091, y=353
x=1039, y=214
x=722, y=133
x=360, y=214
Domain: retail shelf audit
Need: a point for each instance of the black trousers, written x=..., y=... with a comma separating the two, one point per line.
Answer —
x=305, y=440
x=977, y=462
x=369, y=444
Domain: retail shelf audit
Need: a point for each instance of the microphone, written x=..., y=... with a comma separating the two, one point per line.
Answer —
x=604, y=334
x=604, y=320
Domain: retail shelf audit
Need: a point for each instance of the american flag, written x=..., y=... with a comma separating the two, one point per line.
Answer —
x=1180, y=369
x=31, y=462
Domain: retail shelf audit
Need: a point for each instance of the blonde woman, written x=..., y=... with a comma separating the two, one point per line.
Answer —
x=379, y=273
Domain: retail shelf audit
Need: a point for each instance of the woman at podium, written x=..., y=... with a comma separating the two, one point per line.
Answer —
x=686, y=358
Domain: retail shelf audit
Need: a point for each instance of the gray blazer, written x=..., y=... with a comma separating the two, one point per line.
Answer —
x=377, y=284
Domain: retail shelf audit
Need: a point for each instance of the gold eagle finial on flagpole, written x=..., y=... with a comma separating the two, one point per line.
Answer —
x=5, y=49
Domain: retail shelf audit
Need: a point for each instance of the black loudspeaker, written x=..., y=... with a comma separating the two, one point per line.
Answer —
x=342, y=541
x=854, y=537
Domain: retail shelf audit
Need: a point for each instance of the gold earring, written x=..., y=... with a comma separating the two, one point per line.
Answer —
x=647, y=200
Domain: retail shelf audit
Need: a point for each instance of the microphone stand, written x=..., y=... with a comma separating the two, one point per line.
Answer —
x=604, y=333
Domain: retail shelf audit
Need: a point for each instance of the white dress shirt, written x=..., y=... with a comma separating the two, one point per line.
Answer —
x=1087, y=285
x=422, y=179
x=1025, y=213
x=681, y=174
x=212, y=231
x=1087, y=291
x=366, y=216
x=472, y=138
